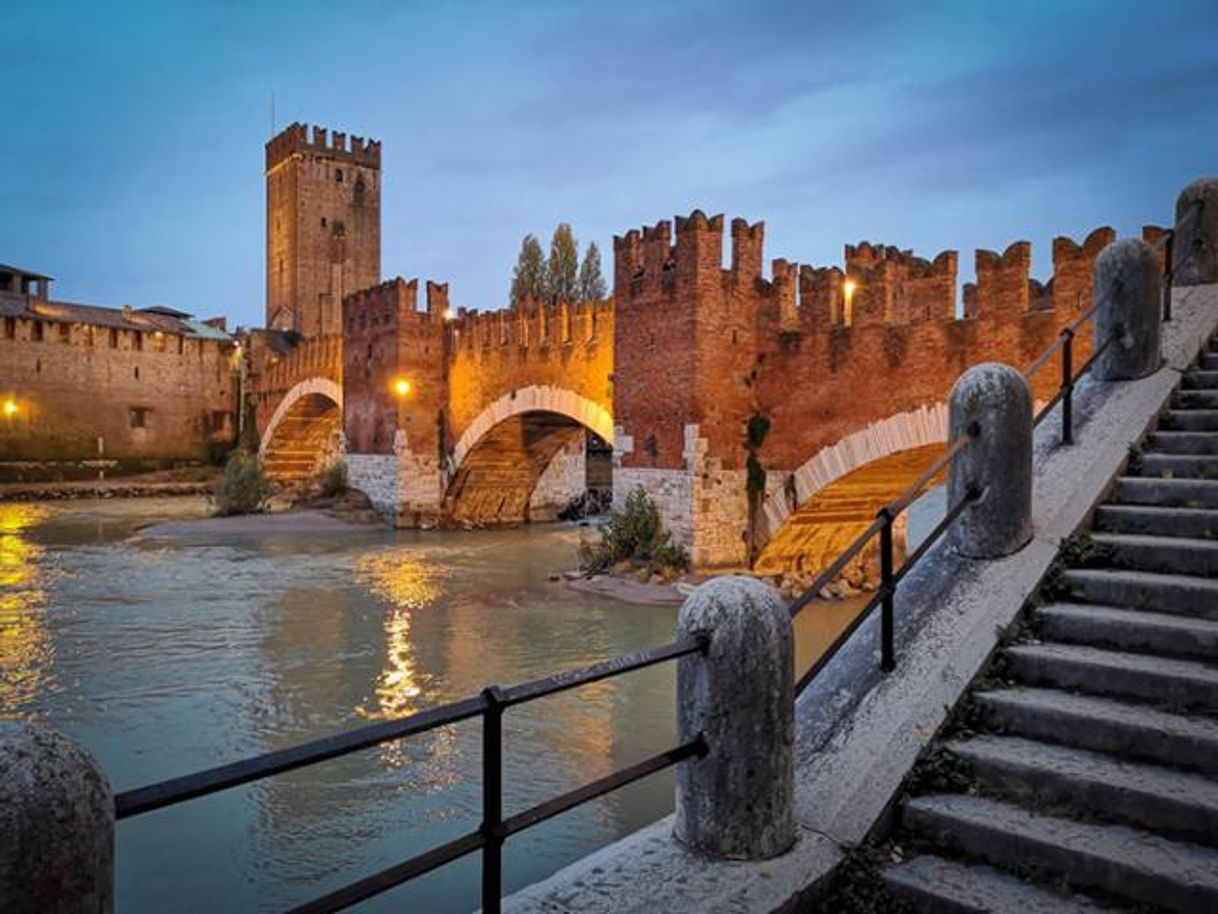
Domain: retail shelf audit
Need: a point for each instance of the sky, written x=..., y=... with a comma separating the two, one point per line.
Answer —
x=131, y=168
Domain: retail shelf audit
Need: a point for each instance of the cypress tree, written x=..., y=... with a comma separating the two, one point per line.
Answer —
x=563, y=273
x=591, y=283
x=529, y=276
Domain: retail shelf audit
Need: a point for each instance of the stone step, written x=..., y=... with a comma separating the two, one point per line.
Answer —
x=1177, y=593
x=1172, y=803
x=938, y=885
x=1194, y=523
x=1129, y=629
x=1104, y=725
x=1200, y=379
x=1194, y=399
x=1167, y=442
x=1114, y=859
x=1101, y=671
x=1179, y=466
x=1183, y=493
x=1169, y=554
x=1209, y=361
x=1197, y=420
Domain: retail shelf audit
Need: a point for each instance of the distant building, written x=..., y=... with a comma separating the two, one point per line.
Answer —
x=143, y=387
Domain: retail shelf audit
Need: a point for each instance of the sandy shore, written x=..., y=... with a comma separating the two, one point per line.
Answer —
x=290, y=522
x=629, y=590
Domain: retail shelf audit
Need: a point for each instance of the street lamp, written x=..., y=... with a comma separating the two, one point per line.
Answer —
x=402, y=387
x=10, y=408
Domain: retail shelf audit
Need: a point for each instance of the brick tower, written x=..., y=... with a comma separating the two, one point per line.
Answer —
x=323, y=226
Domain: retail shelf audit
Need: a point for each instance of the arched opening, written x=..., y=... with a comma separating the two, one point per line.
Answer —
x=302, y=436
x=818, y=530
x=530, y=467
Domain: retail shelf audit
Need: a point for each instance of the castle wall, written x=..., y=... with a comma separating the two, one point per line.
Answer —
x=820, y=352
x=149, y=395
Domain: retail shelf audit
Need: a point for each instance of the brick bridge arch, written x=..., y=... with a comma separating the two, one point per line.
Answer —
x=303, y=430
x=525, y=456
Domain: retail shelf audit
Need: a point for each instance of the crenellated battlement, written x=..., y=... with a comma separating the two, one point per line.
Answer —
x=303, y=139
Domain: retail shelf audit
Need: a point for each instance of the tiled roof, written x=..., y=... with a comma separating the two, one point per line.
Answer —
x=121, y=318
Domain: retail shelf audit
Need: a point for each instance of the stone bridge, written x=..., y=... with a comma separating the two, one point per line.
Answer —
x=842, y=372
x=297, y=392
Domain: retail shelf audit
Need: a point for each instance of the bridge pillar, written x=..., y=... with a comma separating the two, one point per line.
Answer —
x=1195, y=249
x=1128, y=290
x=57, y=811
x=737, y=801
x=997, y=463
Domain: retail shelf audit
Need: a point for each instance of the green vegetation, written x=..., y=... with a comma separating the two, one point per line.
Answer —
x=563, y=277
x=242, y=488
x=333, y=479
x=635, y=537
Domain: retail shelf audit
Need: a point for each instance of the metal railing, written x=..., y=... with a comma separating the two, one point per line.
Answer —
x=1169, y=242
x=494, y=829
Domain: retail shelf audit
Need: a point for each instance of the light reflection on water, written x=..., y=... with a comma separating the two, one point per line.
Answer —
x=166, y=656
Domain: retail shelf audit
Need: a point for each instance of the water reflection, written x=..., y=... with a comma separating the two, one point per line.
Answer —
x=26, y=652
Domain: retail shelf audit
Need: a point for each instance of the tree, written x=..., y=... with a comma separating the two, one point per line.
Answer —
x=529, y=277
x=591, y=283
x=563, y=278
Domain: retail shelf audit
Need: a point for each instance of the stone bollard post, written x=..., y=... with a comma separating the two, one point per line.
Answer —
x=1128, y=291
x=1195, y=247
x=998, y=462
x=57, y=822
x=737, y=801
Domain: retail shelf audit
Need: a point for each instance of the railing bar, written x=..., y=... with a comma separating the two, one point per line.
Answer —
x=906, y=498
x=602, y=786
x=831, y=651
x=833, y=570
x=1047, y=408
x=537, y=688
x=930, y=538
x=1043, y=358
x=154, y=796
x=394, y=875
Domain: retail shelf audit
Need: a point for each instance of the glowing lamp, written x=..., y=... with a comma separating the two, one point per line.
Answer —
x=401, y=387
x=10, y=408
x=848, y=287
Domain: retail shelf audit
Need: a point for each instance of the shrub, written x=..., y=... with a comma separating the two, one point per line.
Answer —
x=333, y=479
x=242, y=488
x=636, y=534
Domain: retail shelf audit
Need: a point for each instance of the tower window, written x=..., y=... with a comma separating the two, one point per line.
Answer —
x=323, y=221
x=338, y=176
x=138, y=416
x=36, y=331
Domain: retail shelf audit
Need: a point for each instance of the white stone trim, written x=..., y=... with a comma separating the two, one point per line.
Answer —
x=323, y=386
x=535, y=398
x=902, y=432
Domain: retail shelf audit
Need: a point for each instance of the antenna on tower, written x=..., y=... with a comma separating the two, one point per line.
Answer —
x=272, y=114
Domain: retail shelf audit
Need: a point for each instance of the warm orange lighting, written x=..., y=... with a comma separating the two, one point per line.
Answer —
x=10, y=408
x=848, y=288
x=449, y=316
x=401, y=387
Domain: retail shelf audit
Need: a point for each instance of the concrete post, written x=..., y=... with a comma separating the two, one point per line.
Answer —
x=1195, y=249
x=737, y=801
x=998, y=462
x=57, y=819
x=1128, y=291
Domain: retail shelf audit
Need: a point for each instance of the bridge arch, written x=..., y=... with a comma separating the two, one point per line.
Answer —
x=302, y=430
x=842, y=485
x=526, y=455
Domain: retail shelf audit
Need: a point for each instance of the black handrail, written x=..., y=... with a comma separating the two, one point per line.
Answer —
x=1168, y=240
x=494, y=829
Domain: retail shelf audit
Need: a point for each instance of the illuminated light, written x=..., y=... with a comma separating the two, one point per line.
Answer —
x=10, y=408
x=402, y=387
x=848, y=287
x=449, y=316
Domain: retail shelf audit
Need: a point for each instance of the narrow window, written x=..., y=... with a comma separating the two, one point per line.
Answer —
x=138, y=416
x=137, y=372
x=181, y=344
x=10, y=328
x=36, y=332
x=323, y=221
x=338, y=176
x=65, y=333
x=113, y=338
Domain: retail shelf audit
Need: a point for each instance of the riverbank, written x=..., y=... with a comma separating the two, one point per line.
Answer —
x=278, y=522
x=163, y=483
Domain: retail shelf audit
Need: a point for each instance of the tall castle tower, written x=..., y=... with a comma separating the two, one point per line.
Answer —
x=323, y=226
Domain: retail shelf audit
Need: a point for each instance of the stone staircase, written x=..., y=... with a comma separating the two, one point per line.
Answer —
x=301, y=441
x=1088, y=775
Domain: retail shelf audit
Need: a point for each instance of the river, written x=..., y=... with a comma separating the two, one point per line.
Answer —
x=167, y=656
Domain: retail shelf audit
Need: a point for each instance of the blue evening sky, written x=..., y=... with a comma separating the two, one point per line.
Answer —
x=131, y=164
